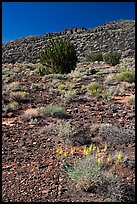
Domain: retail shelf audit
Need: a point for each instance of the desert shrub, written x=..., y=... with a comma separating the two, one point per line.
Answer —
x=94, y=56
x=41, y=70
x=113, y=134
x=30, y=113
x=54, y=76
x=131, y=100
x=68, y=85
x=59, y=56
x=19, y=95
x=112, y=58
x=69, y=95
x=52, y=110
x=119, y=90
x=109, y=79
x=13, y=105
x=87, y=174
x=127, y=76
x=14, y=86
x=94, y=88
x=37, y=87
x=65, y=129
x=61, y=86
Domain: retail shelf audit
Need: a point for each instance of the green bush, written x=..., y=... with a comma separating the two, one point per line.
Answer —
x=69, y=95
x=127, y=76
x=52, y=110
x=94, y=56
x=94, y=88
x=43, y=70
x=19, y=96
x=112, y=58
x=59, y=56
x=87, y=175
x=65, y=129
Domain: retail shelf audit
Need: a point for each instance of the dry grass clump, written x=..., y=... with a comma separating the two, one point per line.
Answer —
x=62, y=129
x=30, y=113
x=112, y=134
x=52, y=110
x=94, y=88
x=68, y=95
x=65, y=129
x=19, y=95
x=88, y=175
x=131, y=100
x=14, y=86
x=127, y=76
x=13, y=105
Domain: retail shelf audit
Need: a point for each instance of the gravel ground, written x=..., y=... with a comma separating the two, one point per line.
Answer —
x=31, y=169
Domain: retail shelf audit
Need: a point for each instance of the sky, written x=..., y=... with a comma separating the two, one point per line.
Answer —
x=22, y=19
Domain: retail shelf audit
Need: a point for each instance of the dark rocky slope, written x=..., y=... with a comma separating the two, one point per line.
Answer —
x=117, y=35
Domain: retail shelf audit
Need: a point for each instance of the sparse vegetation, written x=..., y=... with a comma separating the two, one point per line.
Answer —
x=52, y=110
x=19, y=95
x=112, y=58
x=36, y=86
x=68, y=95
x=61, y=132
x=127, y=76
x=54, y=76
x=94, y=56
x=65, y=129
x=42, y=70
x=14, y=86
x=67, y=85
x=94, y=88
x=131, y=100
x=30, y=113
x=13, y=105
x=87, y=175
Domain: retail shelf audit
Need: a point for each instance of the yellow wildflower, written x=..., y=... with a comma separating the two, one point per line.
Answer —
x=94, y=148
x=108, y=158
x=57, y=150
x=90, y=147
x=72, y=151
x=105, y=148
x=61, y=151
x=99, y=160
x=98, y=150
x=65, y=154
x=119, y=156
x=86, y=151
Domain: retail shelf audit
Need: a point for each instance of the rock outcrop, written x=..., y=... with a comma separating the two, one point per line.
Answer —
x=112, y=36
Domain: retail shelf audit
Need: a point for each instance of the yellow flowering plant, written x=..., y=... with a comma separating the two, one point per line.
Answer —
x=100, y=155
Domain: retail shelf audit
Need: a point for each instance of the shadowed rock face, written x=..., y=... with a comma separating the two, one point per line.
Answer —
x=112, y=36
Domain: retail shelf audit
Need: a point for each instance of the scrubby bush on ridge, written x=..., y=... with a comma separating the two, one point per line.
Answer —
x=59, y=56
x=112, y=58
x=94, y=56
x=127, y=76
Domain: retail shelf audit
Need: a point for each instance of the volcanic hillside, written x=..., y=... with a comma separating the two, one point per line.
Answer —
x=70, y=137
x=117, y=35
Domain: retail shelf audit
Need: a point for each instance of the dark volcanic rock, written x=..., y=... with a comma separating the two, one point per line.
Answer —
x=112, y=36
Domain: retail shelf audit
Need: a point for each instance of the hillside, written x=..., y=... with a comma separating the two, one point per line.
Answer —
x=118, y=35
x=39, y=148
x=70, y=137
